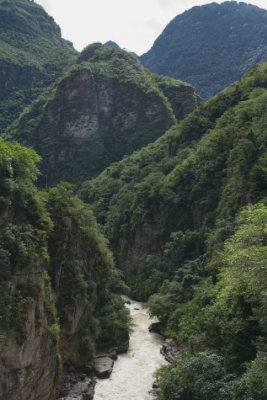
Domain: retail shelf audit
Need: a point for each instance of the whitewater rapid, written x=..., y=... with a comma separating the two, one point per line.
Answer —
x=132, y=375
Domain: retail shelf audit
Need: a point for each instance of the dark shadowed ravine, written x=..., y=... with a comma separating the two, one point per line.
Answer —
x=132, y=375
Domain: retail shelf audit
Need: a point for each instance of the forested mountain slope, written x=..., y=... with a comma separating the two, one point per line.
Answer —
x=169, y=211
x=56, y=274
x=210, y=46
x=32, y=55
x=107, y=105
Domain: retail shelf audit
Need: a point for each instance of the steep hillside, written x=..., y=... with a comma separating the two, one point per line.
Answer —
x=29, y=358
x=56, y=276
x=106, y=106
x=169, y=211
x=200, y=172
x=210, y=46
x=32, y=55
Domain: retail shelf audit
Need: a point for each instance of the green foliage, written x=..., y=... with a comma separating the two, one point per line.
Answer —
x=203, y=261
x=103, y=107
x=24, y=224
x=53, y=262
x=245, y=272
x=197, y=377
x=33, y=55
x=83, y=275
x=229, y=316
x=113, y=322
x=78, y=252
x=210, y=46
x=191, y=181
x=252, y=384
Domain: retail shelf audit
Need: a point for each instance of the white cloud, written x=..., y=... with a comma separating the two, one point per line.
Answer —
x=133, y=24
x=153, y=24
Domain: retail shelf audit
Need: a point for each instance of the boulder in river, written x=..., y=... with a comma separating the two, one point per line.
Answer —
x=123, y=347
x=103, y=367
x=75, y=387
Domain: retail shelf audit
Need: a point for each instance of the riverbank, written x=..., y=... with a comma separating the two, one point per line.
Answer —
x=128, y=375
x=132, y=377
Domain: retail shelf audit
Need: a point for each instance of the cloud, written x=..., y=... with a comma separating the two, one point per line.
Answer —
x=170, y=4
x=153, y=25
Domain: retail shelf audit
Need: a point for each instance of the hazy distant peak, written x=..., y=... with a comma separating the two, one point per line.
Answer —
x=210, y=46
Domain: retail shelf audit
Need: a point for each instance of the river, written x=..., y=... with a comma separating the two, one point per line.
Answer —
x=132, y=375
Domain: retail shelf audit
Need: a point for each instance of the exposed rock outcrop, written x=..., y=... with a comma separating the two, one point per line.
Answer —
x=76, y=387
x=131, y=252
x=28, y=357
x=107, y=106
x=54, y=268
x=169, y=349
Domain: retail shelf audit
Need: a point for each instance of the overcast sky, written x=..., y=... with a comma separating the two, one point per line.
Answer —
x=133, y=24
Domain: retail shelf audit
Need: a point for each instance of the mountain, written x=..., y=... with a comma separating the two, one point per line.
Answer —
x=111, y=44
x=32, y=55
x=200, y=171
x=210, y=46
x=55, y=282
x=186, y=217
x=183, y=208
x=107, y=105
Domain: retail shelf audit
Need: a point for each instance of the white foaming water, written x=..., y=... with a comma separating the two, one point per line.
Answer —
x=132, y=375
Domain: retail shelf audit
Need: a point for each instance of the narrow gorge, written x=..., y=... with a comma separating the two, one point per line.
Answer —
x=115, y=182
x=132, y=375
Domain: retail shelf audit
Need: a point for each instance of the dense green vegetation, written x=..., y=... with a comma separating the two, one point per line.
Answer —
x=24, y=226
x=210, y=46
x=53, y=256
x=223, y=326
x=107, y=105
x=172, y=214
x=82, y=274
x=186, y=216
x=33, y=55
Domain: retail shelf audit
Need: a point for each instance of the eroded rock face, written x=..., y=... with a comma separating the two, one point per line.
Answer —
x=92, y=122
x=131, y=252
x=28, y=362
x=101, y=111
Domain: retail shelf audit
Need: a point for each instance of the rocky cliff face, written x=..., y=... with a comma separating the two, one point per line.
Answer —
x=54, y=269
x=107, y=106
x=157, y=204
x=130, y=253
x=80, y=266
x=29, y=361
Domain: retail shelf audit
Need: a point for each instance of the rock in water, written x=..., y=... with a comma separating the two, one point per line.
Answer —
x=103, y=367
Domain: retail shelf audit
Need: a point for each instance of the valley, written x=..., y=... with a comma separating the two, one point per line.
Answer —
x=127, y=198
